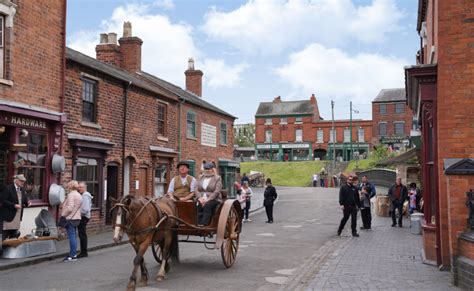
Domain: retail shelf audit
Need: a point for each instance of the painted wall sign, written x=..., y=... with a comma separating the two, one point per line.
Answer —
x=208, y=135
x=295, y=146
x=267, y=146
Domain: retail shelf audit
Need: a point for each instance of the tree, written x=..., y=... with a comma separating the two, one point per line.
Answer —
x=244, y=135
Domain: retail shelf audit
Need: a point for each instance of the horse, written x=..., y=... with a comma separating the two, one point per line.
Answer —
x=147, y=221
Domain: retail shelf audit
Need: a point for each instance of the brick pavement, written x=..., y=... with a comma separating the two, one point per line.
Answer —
x=384, y=258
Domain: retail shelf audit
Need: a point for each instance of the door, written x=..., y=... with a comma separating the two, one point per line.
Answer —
x=112, y=190
x=4, y=143
x=142, y=181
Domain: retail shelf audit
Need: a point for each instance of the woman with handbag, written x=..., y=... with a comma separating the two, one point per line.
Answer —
x=70, y=211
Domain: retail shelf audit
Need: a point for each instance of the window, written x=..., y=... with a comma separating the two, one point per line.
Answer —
x=320, y=136
x=161, y=119
x=223, y=133
x=160, y=181
x=283, y=120
x=332, y=135
x=383, y=109
x=399, y=108
x=191, y=124
x=89, y=100
x=299, y=119
x=268, y=121
x=2, y=46
x=268, y=136
x=360, y=135
x=299, y=135
x=347, y=135
x=382, y=129
x=86, y=170
x=31, y=163
x=399, y=128
x=192, y=167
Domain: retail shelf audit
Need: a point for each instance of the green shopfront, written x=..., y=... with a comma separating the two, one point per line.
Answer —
x=344, y=152
x=284, y=152
x=228, y=171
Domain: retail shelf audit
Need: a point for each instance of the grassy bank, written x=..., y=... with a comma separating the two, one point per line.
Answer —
x=361, y=165
x=285, y=173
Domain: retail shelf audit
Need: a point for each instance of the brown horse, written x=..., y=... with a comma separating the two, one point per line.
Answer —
x=147, y=221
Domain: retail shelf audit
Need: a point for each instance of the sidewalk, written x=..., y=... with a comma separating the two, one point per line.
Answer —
x=385, y=258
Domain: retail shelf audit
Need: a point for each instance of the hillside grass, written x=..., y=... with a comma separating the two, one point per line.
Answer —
x=293, y=174
x=361, y=165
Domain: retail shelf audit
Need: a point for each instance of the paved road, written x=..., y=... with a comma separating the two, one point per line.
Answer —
x=303, y=223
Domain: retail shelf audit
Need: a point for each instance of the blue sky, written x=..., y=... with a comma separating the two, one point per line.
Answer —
x=253, y=51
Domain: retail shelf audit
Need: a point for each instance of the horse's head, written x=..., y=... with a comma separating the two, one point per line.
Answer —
x=119, y=211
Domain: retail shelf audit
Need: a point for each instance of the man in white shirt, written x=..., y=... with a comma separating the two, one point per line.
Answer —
x=315, y=180
x=182, y=186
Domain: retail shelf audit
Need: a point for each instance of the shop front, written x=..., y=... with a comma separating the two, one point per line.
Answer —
x=344, y=151
x=228, y=171
x=284, y=152
x=29, y=140
x=268, y=152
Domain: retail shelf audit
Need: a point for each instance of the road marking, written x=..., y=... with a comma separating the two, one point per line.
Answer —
x=265, y=234
x=287, y=272
x=243, y=246
x=277, y=280
x=292, y=226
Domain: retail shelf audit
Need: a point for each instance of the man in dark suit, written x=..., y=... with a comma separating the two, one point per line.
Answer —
x=398, y=193
x=13, y=200
x=349, y=201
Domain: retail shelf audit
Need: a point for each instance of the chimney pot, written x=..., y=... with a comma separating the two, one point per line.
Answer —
x=127, y=29
x=193, y=79
x=104, y=38
x=190, y=64
x=112, y=38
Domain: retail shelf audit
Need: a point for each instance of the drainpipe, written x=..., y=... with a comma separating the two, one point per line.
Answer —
x=124, y=139
x=181, y=102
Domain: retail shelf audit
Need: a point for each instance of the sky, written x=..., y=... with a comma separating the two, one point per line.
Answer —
x=252, y=51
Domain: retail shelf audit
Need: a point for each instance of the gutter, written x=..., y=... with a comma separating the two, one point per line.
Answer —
x=182, y=101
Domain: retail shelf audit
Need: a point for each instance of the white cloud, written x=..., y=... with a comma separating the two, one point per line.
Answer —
x=218, y=74
x=271, y=26
x=165, y=4
x=332, y=73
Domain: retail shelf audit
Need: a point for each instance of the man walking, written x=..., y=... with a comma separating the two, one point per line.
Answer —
x=85, y=217
x=349, y=202
x=398, y=193
x=365, y=211
x=322, y=177
x=315, y=180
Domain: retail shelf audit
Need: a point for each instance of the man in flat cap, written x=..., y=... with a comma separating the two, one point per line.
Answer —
x=182, y=186
x=13, y=200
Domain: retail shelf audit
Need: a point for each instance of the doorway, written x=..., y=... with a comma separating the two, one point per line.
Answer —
x=4, y=145
x=112, y=190
x=142, y=181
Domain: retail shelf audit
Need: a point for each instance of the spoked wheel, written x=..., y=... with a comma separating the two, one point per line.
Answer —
x=158, y=255
x=230, y=245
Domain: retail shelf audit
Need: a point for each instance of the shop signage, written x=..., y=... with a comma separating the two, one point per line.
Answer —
x=394, y=139
x=27, y=122
x=208, y=135
x=267, y=146
x=295, y=146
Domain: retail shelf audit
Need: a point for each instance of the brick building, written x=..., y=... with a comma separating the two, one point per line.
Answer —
x=439, y=91
x=127, y=128
x=392, y=119
x=32, y=48
x=294, y=130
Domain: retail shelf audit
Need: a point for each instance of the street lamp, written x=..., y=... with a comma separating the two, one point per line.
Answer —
x=350, y=135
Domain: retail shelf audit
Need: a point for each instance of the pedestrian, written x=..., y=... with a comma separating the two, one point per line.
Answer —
x=14, y=199
x=412, y=196
x=85, y=217
x=245, y=178
x=208, y=193
x=269, y=197
x=364, y=207
x=398, y=193
x=246, y=195
x=419, y=197
x=365, y=211
x=322, y=177
x=349, y=202
x=71, y=211
x=315, y=180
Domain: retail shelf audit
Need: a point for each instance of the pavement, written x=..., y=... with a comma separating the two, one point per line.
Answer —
x=98, y=241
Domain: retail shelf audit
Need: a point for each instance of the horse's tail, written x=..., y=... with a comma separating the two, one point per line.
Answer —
x=174, y=251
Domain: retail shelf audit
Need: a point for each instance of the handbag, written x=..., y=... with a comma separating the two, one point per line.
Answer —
x=63, y=221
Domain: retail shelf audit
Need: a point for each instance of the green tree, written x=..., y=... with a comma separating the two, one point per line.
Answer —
x=244, y=135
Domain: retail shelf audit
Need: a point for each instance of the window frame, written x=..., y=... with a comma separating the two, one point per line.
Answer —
x=95, y=94
x=223, y=133
x=359, y=131
x=333, y=135
x=188, y=121
x=296, y=135
x=268, y=121
x=266, y=135
x=299, y=119
x=384, y=111
x=395, y=128
x=318, y=139
x=397, y=107
x=347, y=131
x=386, y=129
x=283, y=120
x=163, y=121
x=2, y=46
x=97, y=183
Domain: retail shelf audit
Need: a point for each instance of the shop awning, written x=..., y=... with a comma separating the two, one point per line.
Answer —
x=31, y=110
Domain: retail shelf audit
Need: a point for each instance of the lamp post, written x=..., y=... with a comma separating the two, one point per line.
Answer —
x=350, y=130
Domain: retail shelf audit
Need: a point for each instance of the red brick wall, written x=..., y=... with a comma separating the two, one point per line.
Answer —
x=455, y=115
x=131, y=52
x=34, y=62
x=194, y=81
x=466, y=249
x=192, y=148
x=390, y=118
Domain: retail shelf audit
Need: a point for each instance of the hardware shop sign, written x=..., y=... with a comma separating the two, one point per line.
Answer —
x=25, y=122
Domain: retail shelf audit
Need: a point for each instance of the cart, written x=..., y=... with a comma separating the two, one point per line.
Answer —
x=257, y=179
x=222, y=233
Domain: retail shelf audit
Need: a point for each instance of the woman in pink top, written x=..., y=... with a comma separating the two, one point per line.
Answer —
x=71, y=210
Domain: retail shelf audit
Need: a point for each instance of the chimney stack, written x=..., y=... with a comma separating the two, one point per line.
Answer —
x=313, y=101
x=193, y=79
x=277, y=99
x=131, y=50
x=107, y=50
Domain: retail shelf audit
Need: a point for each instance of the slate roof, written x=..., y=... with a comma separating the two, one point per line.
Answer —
x=391, y=95
x=285, y=108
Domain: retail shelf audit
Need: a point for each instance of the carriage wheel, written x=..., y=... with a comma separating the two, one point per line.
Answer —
x=231, y=238
x=158, y=254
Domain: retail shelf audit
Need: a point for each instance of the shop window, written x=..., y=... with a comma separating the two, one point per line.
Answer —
x=32, y=163
x=223, y=135
x=382, y=129
x=399, y=128
x=332, y=135
x=89, y=100
x=283, y=120
x=160, y=184
x=399, y=108
x=162, y=119
x=268, y=121
x=191, y=124
x=383, y=109
x=299, y=135
x=347, y=135
x=2, y=46
x=320, y=136
x=86, y=170
x=299, y=119
x=360, y=135
x=268, y=136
